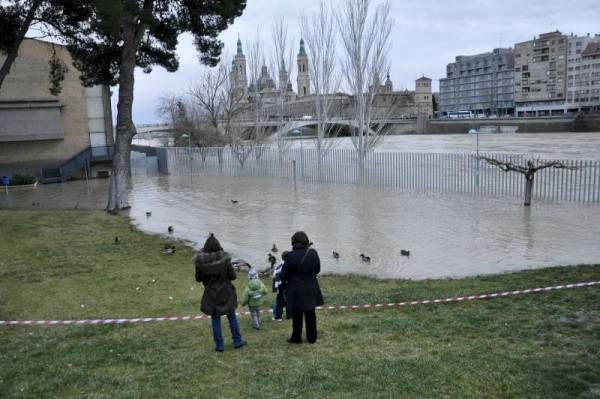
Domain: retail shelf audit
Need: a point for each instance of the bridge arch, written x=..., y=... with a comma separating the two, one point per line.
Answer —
x=293, y=125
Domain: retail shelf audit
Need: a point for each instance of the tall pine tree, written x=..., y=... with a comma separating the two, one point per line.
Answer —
x=120, y=35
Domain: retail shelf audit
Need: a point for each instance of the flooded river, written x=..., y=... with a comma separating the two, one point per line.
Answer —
x=447, y=235
x=543, y=145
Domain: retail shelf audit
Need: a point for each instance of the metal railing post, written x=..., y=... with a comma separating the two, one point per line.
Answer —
x=294, y=173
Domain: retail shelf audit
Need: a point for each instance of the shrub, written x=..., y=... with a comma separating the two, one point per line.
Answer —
x=20, y=180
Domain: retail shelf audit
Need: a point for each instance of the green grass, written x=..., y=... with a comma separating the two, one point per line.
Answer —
x=52, y=263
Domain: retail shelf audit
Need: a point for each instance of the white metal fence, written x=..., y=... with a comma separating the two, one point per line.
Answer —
x=437, y=172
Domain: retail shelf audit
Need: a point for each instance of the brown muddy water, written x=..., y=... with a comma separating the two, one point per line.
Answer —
x=447, y=235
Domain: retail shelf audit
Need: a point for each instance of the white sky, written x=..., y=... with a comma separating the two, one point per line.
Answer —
x=427, y=35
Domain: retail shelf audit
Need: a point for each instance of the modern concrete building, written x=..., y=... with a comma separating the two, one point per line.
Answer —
x=482, y=84
x=540, y=75
x=583, y=74
x=40, y=131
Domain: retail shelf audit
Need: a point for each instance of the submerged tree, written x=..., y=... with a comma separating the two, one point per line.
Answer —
x=529, y=171
x=257, y=137
x=122, y=35
x=283, y=64
x=365, y=43
x=319, y=33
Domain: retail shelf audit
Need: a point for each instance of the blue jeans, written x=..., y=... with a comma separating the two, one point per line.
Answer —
x=278, y=305
x=218, y=333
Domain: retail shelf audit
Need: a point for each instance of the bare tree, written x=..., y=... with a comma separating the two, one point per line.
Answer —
x=256, y=60
x=208, y=94
x=366, y=43
x=215, y=94
x=172, y=110
x=319, y=34
x=187, y=117
x=283, y=60
x=529, y=171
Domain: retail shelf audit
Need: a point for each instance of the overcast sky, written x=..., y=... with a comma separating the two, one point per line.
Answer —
x=427, y=35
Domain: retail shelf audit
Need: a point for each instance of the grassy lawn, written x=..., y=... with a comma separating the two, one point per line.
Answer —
x=64, y=265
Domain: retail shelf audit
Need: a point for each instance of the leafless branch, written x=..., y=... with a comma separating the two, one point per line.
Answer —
x=318, y=31
x=532, y=165
x=366, y=43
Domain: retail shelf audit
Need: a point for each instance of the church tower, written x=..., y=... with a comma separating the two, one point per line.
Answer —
x=424, y=96
x=238, y=72
x=283, y=77
x=303, y=76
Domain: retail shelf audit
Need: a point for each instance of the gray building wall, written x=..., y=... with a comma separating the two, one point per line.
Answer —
x=40, y=130
x=482, y=83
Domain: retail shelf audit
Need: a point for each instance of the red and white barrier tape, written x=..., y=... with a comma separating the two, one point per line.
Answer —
x=326, y=307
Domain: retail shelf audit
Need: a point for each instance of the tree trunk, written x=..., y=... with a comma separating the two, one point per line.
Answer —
x=13, y=51
x=320, y=164
x=528, y=188
x=118, y=196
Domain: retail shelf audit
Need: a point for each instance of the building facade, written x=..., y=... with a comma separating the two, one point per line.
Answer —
x=556, y=74
x=540, y=75
x=387, y=103
x=265, y=87
x=40, y=130
x=482, y=84
x=583, y=74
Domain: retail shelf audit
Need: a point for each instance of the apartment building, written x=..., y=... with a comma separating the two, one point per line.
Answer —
x=540, y=75
x=482, y=84
x=583, y=74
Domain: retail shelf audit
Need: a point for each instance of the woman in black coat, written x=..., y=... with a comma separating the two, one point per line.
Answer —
x=299, y=272
x=214, y=270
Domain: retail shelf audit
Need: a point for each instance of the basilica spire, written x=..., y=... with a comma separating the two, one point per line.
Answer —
x=239, y=46
x=302, y=50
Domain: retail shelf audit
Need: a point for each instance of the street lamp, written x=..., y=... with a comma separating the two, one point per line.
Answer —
x=187, y=136
x=476, y=133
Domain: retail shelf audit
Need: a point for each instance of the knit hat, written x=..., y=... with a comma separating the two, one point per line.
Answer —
x=252, y=274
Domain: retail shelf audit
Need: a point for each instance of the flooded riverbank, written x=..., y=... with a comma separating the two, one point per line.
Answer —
x=447, y=235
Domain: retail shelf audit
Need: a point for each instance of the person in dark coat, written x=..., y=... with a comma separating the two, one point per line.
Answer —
x=300, y=269
x=214, y=270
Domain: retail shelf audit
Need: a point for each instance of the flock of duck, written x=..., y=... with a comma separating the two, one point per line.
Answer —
x=169, y=249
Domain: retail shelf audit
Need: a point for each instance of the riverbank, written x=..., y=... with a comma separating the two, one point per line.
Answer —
x=65, y=265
